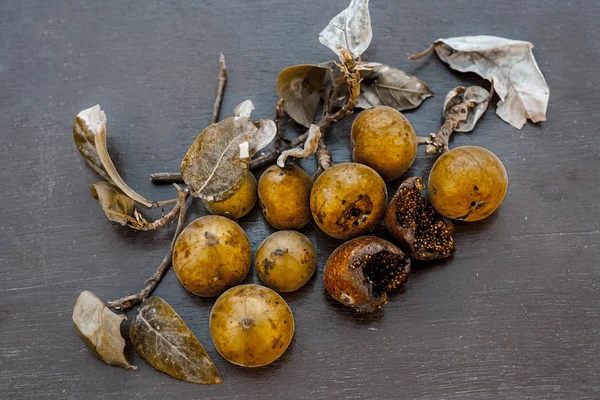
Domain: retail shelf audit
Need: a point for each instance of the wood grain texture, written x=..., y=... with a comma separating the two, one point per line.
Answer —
x=514, y=314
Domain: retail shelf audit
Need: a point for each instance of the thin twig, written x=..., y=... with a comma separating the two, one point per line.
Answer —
x=220, y=90
x=166, y=177
x=127, y=302
x=139, y=223
x=423, y=53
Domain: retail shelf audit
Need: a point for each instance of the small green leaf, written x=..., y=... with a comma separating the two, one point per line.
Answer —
x=117, y=206
x=299, y=88
x=162, y=338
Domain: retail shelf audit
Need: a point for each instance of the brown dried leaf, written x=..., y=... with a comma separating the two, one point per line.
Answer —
x=162, y=338
x=510, y=64
x=87, y=123
x=349, y=30
x=310, y=147
x=384, y=85
x=100, y=141
x=99, y=328
x=117, y=206
x=478, y=97
x=212, y=168
x=299, y=88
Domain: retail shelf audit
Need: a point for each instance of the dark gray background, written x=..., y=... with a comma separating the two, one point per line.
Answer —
x=514, y=314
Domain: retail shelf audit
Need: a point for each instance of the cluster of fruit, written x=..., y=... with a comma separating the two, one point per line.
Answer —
x=252, y=325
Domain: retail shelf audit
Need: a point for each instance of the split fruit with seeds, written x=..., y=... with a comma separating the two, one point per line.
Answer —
x=361, y=271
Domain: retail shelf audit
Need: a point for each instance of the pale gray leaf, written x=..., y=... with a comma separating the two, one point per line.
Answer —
x=517, y=78
x=309, y=148
x=161, y=337
x=265, y=133
x=244, y=109
x=100, y=329
x=385, y=85
x=349, y=30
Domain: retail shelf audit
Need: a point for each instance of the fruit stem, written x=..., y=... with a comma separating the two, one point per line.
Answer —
x=128, y=302
x=422, y=54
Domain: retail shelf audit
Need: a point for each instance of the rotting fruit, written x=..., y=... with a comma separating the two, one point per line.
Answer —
x=422, y=232
x=238, y=205
x=211, y=255
x=348, y=200
x=283, y=195
x=384, y=139
x=361, y=271
x=467, y=183
x=251, y=325
x=285, y=261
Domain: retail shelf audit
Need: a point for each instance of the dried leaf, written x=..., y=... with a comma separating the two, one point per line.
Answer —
x=299, y=88
x=243, y=109
x=117, y=206
x=100, y=141
x=100, y=329
x=349, y=30
x=512, y=66
x=479, y=99
x=267, y=130
x=384, y=85
x=87, y=123
x=216, y=163
x=162, y=338
x=310, y=147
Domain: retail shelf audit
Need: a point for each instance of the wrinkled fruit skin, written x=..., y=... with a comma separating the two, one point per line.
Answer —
x=284, y=195
x=251, y=325
x=422, y=232
x=348, y=200
x=345, y=275
x=238, y=205
x=467, y=183
x=211, y=255
x=285, y=261
x=384, y=139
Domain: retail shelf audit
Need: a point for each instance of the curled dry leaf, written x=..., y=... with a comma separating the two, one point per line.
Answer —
x=512, y=66
x=478, y=99
x=244, y=109
x=87, y=123
x=349, y=30
x=385, y=85
x=99, y=328
x=100, y=141
x=267, y=129
x=299, y=87
x=161, y=337
x=117, y=206
x=215, y=165
x=310, y=147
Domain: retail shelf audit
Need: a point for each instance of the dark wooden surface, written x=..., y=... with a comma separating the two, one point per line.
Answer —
x=514, y=314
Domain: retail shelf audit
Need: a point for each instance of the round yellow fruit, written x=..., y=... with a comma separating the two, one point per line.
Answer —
x=285, y=261
x=383, y=138
x=251, y=325
x=284, y=195
x=238, y=205
x=211, y=255
x=348, y=200
x=467, y=183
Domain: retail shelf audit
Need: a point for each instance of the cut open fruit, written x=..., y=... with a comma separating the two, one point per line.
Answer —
x=422, y=232
x=360, y=272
